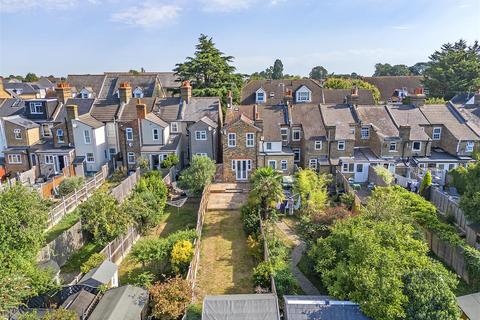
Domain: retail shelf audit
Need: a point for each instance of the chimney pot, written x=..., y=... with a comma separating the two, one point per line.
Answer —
x=186, y=91
x=353, y=97
x=124, y=92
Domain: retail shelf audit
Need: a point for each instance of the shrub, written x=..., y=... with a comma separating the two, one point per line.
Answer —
x=194, y=312
x=340, y=83
x=261, y=274
x=171, y=161
x=198, y=175
x=426, y=183
x=384, y=174
x=169, y=300
x=251, y=219
x=459, y=177
x=144, y=279
x=312, y=189
x=317, y=225
x=69, y=185
x=182, y=254
x=347, y=199
x=254, y=247
x=94, y=261
x=267, y=190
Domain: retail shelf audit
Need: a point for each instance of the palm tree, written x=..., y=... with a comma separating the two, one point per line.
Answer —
x=267, y=189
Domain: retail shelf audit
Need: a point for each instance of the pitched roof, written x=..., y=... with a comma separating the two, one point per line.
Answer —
x=278, y=88
x=471, y=113
x=378, y=117
x=388, y=84
x=209, y=121
x=241, y=306
x=20, y=121
x=156, y=119
x=321, y=307
x=122, y=303
x=80, y=81
x=105, y=110
x=90, y=121
x=11, y=106
x=470, y=305
x=407, y=115
x=310, y=118
x=273, y=117
x=79, y=302
x=336, y=96
x=444, y=114
x=100, y=275
x=129, y=111
x=341, y=117
x=168, y=80
x=170, y=109
x=170, y=145
x=84, y=106
x=148, y=82
x=246, y=110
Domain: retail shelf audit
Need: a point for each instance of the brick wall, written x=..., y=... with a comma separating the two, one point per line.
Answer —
x=124, y=144
x=29, y=136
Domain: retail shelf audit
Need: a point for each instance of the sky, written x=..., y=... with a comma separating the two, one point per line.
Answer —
x=63, y=37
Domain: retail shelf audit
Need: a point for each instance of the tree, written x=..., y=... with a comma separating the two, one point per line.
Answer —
x=69, y=185
x=384, y=174
x=459, y=178
x=31, y=77
x=470, y=200
x=134, y=72
x=169, y=300
x=267, y=189
x=210, y=72
x=426, y=183
x=312, y=189
x=418, y=69
x=102, y=218
x=200, y=173
x=171, y=161
x=93, y=261
x=277, y=71
x=182, y=254
x=452, y=69
x=341, y=83
x=318, y=73
x=386, y=69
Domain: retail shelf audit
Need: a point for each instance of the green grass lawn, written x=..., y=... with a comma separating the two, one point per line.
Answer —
x=66, y=223
x=78, y=258
x=173, y=220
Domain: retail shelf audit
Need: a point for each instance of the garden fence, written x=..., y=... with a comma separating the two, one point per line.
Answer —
x=121, y=191
x=266, y=254
x=71, y=201
x=117, y=249
x=192, y=270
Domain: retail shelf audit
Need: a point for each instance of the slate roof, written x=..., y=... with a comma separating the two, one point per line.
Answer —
x=388, y=84
x=105, y=110
x=232, y=114
x=122, y=303
x=20, y=121
x=80, y=81
x=46, y=146
x=171, y=145
x=337, y=96
x=240, y=307
x=273, y=117
x=11, y=87
x=84, y=106
x=170, y=109
x=278, y=87
x=129, y=111
x=168, y=80
x=209, y=121
x=444, y=114
x=100, y=275
x=365, y=154
x=407, y=115
x=90, y=121
x=148, y=82
x=11, y=106
x=321, y=308
x=156, y=119
x=310, y=118
x=378, y=117
x=340, y=116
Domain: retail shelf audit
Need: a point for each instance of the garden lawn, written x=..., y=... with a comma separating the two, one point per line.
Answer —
x=66, y=223
x=78, y=258
x=173, y=220
x=225, y=265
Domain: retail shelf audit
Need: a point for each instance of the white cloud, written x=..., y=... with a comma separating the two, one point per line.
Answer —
x=148, y=14
x=24, y=5
x=225, y=5
x=401, y=27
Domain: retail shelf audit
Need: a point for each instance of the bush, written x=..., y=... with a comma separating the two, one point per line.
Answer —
x=69, y=185
x=144, y=279
x=94, y=261
x=251, y=219
x=198, y=175
x=169, y=300
x=347, y=199
x=459, y=177
x=194, y=312
x=254, y=247
x=182, y=254
x=171, y=161
x=312, y=189
x=426, y=183
x=384, y=174
x=340, y=83
x=318, y=224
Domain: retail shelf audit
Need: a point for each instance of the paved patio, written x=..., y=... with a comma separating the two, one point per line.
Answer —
x=228, y=196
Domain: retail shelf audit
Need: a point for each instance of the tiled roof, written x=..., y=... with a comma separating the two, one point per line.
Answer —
x=209, y=121
x=156, y=119
x=20, y=121
x=246, y=110
x=309, y=116
x=90, y=121
x=340, y=116
x=471, y=113
x=11, y=106
x=168, y=80
x=337, y=96
x=80, y=81
x=105, y=110
x=388, y=84
x=148, y=82
x=129, y=110
x=84, y=106
x=169, y=109
x=273, y=117
x=407, y=115
x=378, y=117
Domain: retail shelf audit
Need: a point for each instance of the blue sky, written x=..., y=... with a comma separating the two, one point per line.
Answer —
x=90, y=36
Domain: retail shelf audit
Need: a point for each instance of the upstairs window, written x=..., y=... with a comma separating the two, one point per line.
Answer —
x=90, y=157
x=296, y=155
x=303, y=96
x=416, y=146
x=129, y=134
x=341, y=145
x=469, y=146
x=284, y=165
x=365, y=133
x=18, y=134
x=284, y=134
x=260, y=96
x=392, y=147
x=36, y=108
x=318, y=144
x=86, y=136
x=268, y=146
x=155, y=134
x=437, y=133
x=312, y=164
x=296, y=134
x=250, y=140
x=138, y=93
x=200, y=135
x=232, y=140
x=60, y=136
x=46, y=130
x=174, y=127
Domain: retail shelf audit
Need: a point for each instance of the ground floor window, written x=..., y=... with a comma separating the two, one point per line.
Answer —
x=49, y=159
x=131, y=157
x=347, y=167
x=90, y=157
x=296, y=155
x=202, y=154
x=14, y=158
x=312, y=164
x=284, y=165
x=272, y=164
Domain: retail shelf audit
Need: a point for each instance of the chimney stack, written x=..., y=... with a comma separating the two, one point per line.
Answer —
x=404, y=132
x=186, y=91
x=72, y=112
x=476, y=99
x=141, y=110
x=63, y=92
x=288, y=97
x=418, y=98
x=229, y=99
x=353, y=98
x=124, y=92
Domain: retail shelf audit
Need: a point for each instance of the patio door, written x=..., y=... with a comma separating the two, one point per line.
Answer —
x=241, y=169
x=361, y=172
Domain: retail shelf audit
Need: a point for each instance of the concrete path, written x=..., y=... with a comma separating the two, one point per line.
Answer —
x=228, y=196
x=297, y=253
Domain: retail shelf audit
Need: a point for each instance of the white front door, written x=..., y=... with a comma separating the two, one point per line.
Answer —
x=241, y=169
x=361, y=172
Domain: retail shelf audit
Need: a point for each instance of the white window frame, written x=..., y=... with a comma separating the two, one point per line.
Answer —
x=87, y=137
x=312, y=163
x=232, y=140
x=437, y=135
x=46, y=132
x=419, y=148
x=174, y=127
x=264, y=96
x=348, y=167
x=284, y=165
x=35, y=107
x=17, y=134
x=390, y=147
x=296, y=131
x=14, y=158
x=318, y=145
x=234, y=165
x=155, y=134
x=92, y=157
x=60, y=137
x=201, y=154
x=201, y=135
x=49, y=159
x=299, y=152
x=129, y=134
x=129, y=157
x=303, y=95
x=365, y=133
x=284, y=134
x=341, y=142
x=469, y=146
x=274, y=162
x=268, y=146
x=250, y=140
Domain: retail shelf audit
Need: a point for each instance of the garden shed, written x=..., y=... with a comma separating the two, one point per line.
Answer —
x=241, y=306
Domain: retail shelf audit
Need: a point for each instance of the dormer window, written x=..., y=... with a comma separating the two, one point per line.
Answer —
x=18, y=134
x=303, y=95
x=84, y=94
x=260, y=96
x=35, y=107
x=138, y=93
